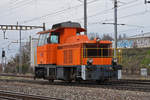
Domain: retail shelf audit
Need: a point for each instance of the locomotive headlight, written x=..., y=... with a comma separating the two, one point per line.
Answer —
x=115, y=59
x=97, y=39
x=90, y=61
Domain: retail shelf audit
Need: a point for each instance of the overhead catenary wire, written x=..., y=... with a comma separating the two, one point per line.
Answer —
x=12, y=5
x=106, y=11
x=110, y=9
x=7, y=3
x=56, y=12
x=125, y=6
x=121, y=5
x=135, y=14
x=104, y=23
x=89, y=16
x=14, y=9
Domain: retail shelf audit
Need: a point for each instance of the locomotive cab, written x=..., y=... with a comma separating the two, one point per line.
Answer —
x=64, y=54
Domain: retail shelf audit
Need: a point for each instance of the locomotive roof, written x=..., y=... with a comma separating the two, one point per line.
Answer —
x=62, y=25
x=66, y=24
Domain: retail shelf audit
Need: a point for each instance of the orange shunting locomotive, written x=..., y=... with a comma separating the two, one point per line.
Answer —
x=64, y=54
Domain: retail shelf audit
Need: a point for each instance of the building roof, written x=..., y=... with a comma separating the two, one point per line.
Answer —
x=144, y=35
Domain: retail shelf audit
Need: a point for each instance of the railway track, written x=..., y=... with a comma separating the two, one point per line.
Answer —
x=15, y=75
x=7, y=95
x=132, y=85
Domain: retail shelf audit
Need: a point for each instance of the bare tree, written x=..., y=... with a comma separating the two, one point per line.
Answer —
x=92, y=36
x=120, y=37
x=107, y=37
x=13, y=64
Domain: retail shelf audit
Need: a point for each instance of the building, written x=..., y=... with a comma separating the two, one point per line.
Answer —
x=136, y=41
x=34, y=42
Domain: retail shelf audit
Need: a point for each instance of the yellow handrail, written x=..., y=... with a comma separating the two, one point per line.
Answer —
x=101, y=51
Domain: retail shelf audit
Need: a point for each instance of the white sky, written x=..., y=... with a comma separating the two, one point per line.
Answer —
x=134, y=13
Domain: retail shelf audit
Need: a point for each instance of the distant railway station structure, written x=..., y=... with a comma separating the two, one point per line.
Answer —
x=136, y=41
x=33, y=55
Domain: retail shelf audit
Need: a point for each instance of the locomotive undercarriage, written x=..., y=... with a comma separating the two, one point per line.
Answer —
x=76, y=73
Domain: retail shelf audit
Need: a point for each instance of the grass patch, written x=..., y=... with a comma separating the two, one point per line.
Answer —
x=136, y=58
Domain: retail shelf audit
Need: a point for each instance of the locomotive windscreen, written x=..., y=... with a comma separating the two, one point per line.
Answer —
x=97, y=50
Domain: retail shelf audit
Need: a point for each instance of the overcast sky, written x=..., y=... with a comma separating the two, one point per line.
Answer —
x=134, y=13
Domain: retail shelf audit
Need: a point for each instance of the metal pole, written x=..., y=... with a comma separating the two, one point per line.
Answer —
x=44, y=27
x=147, y=1
x=4, y=34
x=115, y=28
x=20, y=57
x=85, y=16
x=5, y=62
x=3, y=69
x=4, y=31
x=2, y=64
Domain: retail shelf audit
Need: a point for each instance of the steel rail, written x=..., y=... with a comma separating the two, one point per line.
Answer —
x=8, y=98
x=20, y=96
x=14, y=75
x=136, y=81
x=123, y=84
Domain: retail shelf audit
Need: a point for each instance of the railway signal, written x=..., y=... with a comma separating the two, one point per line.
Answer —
x=3, y=53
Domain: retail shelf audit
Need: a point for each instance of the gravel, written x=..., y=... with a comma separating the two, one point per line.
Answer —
x=74, y=92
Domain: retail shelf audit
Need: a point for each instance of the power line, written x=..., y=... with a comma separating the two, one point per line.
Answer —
x=4, y=5
x=130, y=2
x=15, y=8
x=13, y=4
x=106, y=11
x=103, y=23
x=130, y=15
x=134, y=14
x=22, y=4
x=57, y=12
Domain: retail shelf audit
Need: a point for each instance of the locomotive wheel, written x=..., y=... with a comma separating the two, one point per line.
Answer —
x=78, y=80
x=51, y=80
x=34, y=78
x=102, y=81
x=68, y=81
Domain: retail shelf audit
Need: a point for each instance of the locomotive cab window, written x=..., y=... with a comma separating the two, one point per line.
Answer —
x=54, y=39
x=43, y=39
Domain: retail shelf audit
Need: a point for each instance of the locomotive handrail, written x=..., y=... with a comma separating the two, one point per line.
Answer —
x=100, y=53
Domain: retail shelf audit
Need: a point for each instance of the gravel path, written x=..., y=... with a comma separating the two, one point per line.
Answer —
x=74, y=92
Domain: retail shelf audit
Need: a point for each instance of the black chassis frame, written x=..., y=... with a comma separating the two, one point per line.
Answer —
x=69, y=73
